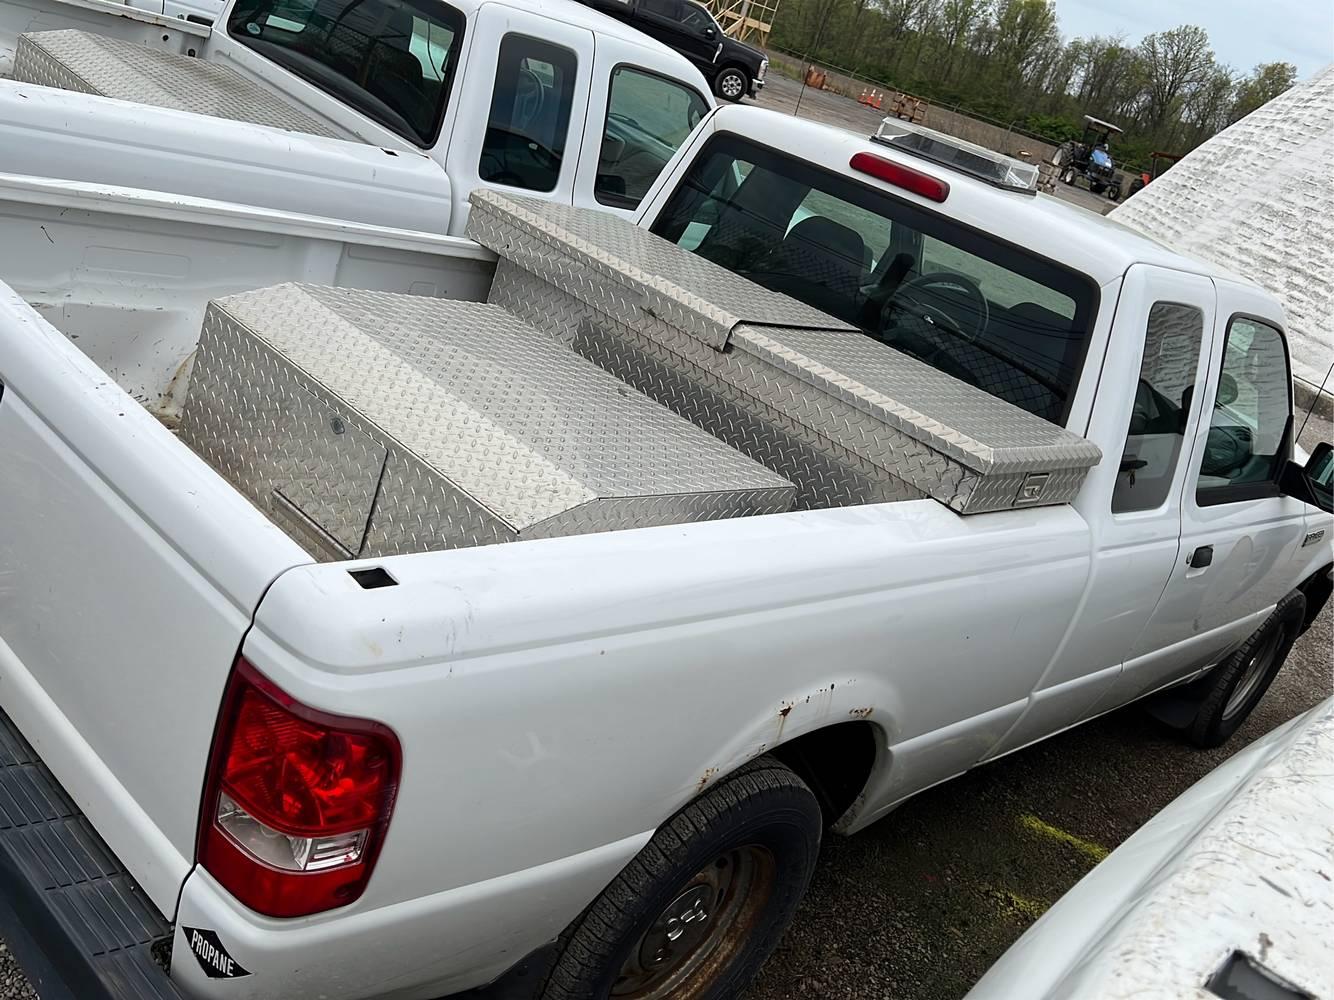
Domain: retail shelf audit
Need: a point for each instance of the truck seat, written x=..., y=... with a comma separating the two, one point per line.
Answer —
x=826, y=257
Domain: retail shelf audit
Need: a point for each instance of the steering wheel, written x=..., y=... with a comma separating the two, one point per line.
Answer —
x=909, y=298
x=528, y=99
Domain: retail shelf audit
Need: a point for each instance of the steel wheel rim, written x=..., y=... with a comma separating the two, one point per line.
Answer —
x=731, y=85
x=701, y=930
x=1255, y=672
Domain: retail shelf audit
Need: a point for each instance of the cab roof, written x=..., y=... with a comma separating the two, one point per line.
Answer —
x=582, y=16
x=1085, y=241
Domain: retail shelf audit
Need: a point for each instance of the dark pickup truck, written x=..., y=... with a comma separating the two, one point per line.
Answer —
x=733, y=69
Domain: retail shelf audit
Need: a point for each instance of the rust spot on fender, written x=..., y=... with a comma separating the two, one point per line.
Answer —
x=708, y=775
x=783, y=713
x=861, y=713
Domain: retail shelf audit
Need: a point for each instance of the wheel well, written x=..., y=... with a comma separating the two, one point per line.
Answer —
x=1316, y=589
x=733, y=65
x=835, y=762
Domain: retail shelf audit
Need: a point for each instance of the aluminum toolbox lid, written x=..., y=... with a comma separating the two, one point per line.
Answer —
x=520, y=423
x=917, y=416
x=980, y=431
x=637, y=270
x=88, y=63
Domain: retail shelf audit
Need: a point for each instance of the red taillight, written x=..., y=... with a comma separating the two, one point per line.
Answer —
x=901, y=176
x=296, y=801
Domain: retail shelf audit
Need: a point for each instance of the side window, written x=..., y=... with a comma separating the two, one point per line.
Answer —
x=530, y=114
x=392, y=60
x=648, y=117
x=1247, y=430
x=668, y=10
x=1172, y=341
x=695, y=18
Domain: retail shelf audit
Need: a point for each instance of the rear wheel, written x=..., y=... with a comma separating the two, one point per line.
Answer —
x=732, y=84
x=1069, y=176
x=1114, y=192
x=1235, y=686
x=696, y=913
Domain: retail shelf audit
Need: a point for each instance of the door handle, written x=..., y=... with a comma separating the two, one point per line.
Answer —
x=1201, y=557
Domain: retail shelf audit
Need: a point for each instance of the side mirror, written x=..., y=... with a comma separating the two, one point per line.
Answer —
x=1227, y=390
x=1314, y=481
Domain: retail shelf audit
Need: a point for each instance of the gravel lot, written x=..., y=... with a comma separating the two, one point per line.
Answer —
x=918, y=906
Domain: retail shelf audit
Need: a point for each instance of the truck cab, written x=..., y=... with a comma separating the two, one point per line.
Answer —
x=548, y=99
x=545, y=98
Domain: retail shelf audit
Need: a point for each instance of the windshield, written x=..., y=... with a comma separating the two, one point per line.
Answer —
x=393, y=60
x=988, y=313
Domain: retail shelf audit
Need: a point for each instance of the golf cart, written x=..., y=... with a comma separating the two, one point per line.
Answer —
x=1089, y=159
x=1158, y=164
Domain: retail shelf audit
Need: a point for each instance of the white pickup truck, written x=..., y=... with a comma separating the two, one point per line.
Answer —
x=1021, y=465
x=381, y=111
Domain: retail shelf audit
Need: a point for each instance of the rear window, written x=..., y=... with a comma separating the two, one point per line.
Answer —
x=1011, y=323
x=392, y=60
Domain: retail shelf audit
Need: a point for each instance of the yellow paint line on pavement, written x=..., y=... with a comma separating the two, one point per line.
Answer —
x=1030, y=909
x=1094, y=852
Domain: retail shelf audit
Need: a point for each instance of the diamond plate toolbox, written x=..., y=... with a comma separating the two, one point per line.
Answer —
x=844, y=417
x=88, y=63
x=373, y=423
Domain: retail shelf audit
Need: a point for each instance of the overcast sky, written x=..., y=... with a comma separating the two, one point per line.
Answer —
x=1243, y=32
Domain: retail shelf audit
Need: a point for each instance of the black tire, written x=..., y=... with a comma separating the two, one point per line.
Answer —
x=732, y=84
x=763, y=806
x=1246, y=674
x=1114, y=192
x=1068, y=177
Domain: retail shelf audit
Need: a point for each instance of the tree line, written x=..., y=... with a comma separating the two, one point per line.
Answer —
x=1006, y=60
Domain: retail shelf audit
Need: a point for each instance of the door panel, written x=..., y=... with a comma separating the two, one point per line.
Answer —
x=660, y=19
x=699, y=32
x=1162, y=330
x=1250, y=537
x=524, y=138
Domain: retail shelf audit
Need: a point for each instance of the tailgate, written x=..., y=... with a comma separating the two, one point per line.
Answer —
x=128, y=574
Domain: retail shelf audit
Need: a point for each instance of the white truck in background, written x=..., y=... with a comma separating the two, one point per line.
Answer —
x=599, y=765
x=387, y=112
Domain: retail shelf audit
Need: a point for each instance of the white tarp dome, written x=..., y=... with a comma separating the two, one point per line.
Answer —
x=1258, y=199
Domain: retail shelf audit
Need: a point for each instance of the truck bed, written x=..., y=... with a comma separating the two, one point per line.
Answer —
x=817, y=406
x=89, y=63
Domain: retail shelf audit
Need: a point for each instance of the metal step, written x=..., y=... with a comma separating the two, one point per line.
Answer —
x=76, y=921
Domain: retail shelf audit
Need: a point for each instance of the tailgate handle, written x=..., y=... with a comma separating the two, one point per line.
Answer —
x=1201, y=557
